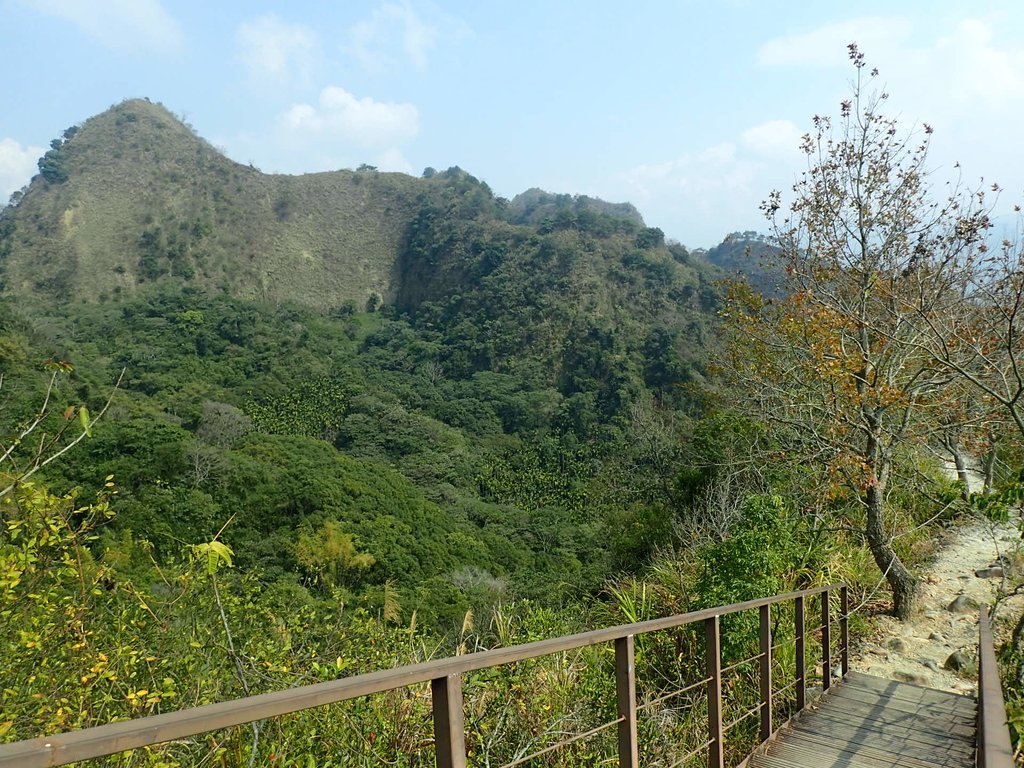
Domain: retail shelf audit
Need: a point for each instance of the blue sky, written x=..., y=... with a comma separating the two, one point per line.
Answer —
x=690, y=110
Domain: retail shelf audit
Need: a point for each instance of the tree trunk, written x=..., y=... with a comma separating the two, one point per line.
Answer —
x=989, y=468
x=903, y=583
x=962, y=473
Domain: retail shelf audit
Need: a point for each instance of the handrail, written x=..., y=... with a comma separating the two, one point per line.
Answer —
x=446, y=690
x=994, y=750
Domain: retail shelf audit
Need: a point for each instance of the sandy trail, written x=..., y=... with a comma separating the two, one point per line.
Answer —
x=917, y=651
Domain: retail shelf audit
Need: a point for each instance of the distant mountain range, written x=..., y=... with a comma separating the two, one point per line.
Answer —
x=133, y=196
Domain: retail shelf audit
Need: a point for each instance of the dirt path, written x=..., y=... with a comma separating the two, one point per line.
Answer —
x=917, y=651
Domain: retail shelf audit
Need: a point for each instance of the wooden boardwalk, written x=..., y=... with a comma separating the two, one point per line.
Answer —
x=870, y=722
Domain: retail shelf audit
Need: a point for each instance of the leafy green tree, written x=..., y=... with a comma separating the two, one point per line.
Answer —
x=53, y=165
x=329, y=556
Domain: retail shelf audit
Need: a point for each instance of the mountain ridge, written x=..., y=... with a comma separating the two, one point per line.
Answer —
x=133, y=196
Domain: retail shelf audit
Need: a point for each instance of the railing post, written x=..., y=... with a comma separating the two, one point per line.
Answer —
x=844, y=627
x=801, y=654
x=826, y=643
x=766, y=674
x=625, y=688
x=449, y=722
x=713, y=667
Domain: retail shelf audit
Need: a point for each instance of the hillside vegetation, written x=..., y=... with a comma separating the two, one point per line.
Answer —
x=483, y=398
x=133, y=195
x=387, y=417
x=363, y=419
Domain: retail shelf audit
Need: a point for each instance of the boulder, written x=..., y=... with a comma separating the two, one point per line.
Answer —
x=963, y=604
x=911, y=676
x=958, y=661
x=992, y=572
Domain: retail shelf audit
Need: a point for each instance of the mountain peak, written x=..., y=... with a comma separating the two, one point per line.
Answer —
x=133, y=196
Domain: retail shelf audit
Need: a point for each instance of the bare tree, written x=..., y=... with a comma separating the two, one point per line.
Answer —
x=837, y=366
x=976, y=330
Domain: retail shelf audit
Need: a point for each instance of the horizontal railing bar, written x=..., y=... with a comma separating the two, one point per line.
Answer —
x=741, y=718
x=660, y=699
x=751, y=660
x=993, y=749
x=63, y=748
x=784, y=688
x=691, y=753
x=564, y=743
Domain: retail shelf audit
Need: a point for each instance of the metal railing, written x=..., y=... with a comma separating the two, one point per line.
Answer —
x=994, y=750
x=445, y=677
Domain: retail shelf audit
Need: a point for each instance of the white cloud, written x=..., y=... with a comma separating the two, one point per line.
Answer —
x=395, y=31
x=710, y=192
x=775, y=138
x=967, y=66
x=965, y=78
x=701, y=176
x=364, y=122
x=17, y=166
x=273, y=49
x=826, y=46
x=124, y=24
x=943, y=75
x=394, y=160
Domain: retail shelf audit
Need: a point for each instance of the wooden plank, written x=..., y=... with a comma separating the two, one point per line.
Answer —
x=886, y=735
x=823, y=744
x=965, y=710
x=713, y=670
x=902, y=689
x=819, y=756
x=994, y=748
x=866, y=715
x=625, y=692
x=910, y=692
x=767, y=761
x=449, y=723
x=919, y=719
x=857, y=709
x=869, y=722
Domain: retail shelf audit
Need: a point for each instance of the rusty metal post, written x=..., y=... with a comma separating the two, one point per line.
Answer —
x=766, y=674
x=449, y=722
x=844, y=627
x=801, y=654
x=625, y=689
x=826, y=643
x=713, y=667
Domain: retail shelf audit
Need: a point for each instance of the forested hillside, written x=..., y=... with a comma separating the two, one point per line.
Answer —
x=395, y=407
x=260, y=431
x=485, y=399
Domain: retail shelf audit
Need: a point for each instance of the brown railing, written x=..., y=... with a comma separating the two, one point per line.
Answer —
x=994, y=750
x=445, y=677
